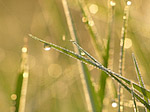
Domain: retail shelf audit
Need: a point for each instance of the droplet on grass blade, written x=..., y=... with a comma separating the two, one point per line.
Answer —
x=112, y=3
x=13, y=96
x=114, y=104
x=46, y=47
x=128, y=3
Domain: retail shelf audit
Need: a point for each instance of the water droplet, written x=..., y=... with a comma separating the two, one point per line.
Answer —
x=114, y=104
x=112, y=3
x=91, y=23
x=84, y=19
x=24, y=49
x=13, y=96
x=47, y=47
x=128, y=3
x=82, y=53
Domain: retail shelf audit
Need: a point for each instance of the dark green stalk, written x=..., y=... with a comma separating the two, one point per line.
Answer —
x=114, y=75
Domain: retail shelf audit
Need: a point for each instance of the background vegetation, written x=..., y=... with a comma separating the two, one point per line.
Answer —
x=54, y=83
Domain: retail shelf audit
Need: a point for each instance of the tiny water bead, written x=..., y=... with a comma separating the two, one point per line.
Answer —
x=128, y=3
x=112, y=3
x=82, y=53
x=24, y=49
x=114, y=104
x=84, y=19
x=13, y=96
x=91, y=23
x=47, y=47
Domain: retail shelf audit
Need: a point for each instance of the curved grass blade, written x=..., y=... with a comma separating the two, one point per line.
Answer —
x=114, y=75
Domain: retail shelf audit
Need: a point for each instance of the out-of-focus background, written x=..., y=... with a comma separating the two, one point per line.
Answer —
x=54, y=82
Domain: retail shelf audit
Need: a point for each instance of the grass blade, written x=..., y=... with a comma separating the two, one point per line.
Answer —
x=140, y=79
x=24, y=79
x=122, y=42
x=89, y=92
x=18, y=90
x=95, y=37
x=114, y=75
x=133, y=98
x=104, y=76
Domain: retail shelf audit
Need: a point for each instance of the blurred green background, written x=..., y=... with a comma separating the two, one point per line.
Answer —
x=54, y=81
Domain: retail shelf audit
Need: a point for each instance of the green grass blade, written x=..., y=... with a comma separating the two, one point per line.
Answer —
x=104, y=76
x=140, y=79
x=89, y=92
x=95, y=37
x=114, y=75
x=133, y=98
x=18, y=90
x=91, y=57
x=122, y=42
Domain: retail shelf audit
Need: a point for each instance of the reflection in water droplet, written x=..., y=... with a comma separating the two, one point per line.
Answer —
x=46, y=47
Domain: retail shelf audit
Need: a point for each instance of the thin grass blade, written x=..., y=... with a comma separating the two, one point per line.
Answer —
x=140, y=79
x=112, y=74
x=89, y=92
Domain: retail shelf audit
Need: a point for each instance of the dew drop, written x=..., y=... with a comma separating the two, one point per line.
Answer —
x=82, y=53
x=128, y=3
x=47, y=47
x=112, y=3
x=114, y=104
x=91, y=23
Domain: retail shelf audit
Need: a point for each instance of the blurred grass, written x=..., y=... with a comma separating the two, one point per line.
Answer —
x=46, y=19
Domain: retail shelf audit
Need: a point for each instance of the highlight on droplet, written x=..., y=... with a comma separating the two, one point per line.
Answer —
x=114, y=104
x=93, y=8
x=24, y=49
x=91, y=23
x=128, y=3
x=112, y=3
x=82, y=53
x=46, y=47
